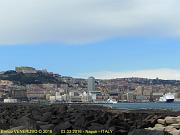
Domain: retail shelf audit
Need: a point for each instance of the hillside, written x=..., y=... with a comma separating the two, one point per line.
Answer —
x=29, y=78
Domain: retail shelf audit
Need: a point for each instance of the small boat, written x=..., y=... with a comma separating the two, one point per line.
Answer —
x=111, y=101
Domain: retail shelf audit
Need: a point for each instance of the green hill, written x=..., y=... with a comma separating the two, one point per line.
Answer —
x=28, y=78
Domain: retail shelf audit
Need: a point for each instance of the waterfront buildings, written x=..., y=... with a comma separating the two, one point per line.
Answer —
x=89, y=90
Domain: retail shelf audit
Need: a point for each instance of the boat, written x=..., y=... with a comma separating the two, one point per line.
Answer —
x=111, y=101
x=168, y=97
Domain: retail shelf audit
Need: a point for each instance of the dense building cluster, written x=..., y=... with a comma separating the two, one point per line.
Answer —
x=42, y=86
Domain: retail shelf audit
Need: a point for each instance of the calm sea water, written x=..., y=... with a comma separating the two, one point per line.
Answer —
x=150, y=105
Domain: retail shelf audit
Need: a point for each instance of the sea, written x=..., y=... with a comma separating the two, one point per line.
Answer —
x=149, y=105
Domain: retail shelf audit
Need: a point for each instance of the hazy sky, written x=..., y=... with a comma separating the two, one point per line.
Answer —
x=103, y=38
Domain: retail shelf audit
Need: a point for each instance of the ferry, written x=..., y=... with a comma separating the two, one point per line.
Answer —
x=168, y=97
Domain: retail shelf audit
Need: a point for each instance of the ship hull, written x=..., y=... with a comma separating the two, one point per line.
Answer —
x=169, y=100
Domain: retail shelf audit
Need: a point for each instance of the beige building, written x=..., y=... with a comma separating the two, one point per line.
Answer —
x=6, y=82
x=147, y=90
x=26, y=70
x=139, y=91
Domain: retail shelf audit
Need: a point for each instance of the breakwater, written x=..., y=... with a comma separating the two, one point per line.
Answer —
x=69, y=117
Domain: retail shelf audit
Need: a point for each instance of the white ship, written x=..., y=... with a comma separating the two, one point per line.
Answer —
x=111, y=101
x=168, y=97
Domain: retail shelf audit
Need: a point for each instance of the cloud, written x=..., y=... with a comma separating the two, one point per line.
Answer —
x=169, y=74
x=84, y=21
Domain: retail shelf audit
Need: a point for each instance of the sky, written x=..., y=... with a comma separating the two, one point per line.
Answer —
x=101, y=38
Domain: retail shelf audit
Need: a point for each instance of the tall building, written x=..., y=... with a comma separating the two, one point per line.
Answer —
x=91, y=84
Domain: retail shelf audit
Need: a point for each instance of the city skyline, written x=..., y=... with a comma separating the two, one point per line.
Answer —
x=104, y=39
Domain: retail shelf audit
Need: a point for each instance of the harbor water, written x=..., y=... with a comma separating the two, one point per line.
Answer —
x=150, y=105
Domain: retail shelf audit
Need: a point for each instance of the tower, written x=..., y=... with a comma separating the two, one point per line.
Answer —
x=91, y=84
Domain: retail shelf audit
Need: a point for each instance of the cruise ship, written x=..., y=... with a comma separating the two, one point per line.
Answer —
x=168, y=97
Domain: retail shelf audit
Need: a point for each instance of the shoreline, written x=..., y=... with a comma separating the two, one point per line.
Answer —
x=99, y=106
